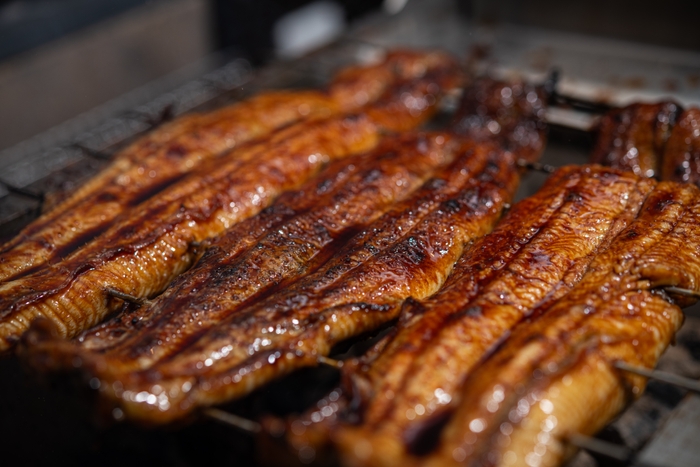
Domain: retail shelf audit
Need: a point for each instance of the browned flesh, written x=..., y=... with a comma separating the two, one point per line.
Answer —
x=269, y=251
x=681, y=159
x=634, y=137
x=409, y=251
x=537, y=253
x=141, y=254
x=555, y=376
x=167, y=154
x=511, y=112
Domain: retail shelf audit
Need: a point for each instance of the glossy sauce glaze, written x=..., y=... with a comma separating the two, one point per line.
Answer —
x=408, y=251
x=681, y=160
x=634, y=137
x=511, y=112
x=268, y=252
x=169, y=153
x=554, y=376
x=536, y=254
x=141, y=254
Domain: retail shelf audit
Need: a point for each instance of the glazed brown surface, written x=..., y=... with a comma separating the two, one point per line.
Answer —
x=681, y=160
x=634, y=137
x=407, y=252
x=167, y=154
x=141, y=254
x=510, y=112
x=271, y=250
x=554, y=376
x=537, y=253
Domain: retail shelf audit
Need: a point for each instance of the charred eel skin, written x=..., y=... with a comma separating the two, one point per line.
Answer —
x=141, y=254
x=266, y=252
x=681, y=159
x=654, y=140
x=409, y=251
x=555, y=375
x=536, y=254
x=634, y=137
x=511, y=112
x=169, y=153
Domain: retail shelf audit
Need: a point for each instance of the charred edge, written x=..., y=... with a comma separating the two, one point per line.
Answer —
x=34, y=297
x=423, y=437
x=61, y=252
x=155, y=189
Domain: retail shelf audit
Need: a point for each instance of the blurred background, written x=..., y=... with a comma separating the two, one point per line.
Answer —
x=59, y=58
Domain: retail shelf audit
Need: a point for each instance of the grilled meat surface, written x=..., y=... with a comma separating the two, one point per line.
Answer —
x=272, y=249
x=555, y=375
x=166, y=155
x=141, y=254
x=681, y=159
x=409, y=251
x=536, y=254
x=634, y=137
x=511, y=112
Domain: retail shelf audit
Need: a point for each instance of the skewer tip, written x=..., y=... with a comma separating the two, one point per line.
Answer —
x=330, y=362
x=232, y=420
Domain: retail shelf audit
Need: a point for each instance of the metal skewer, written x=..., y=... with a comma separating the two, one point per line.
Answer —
x=546, y=168
x=681, y=291
x=230, y=419
x=670, y=378
x=598, y=446
x=125, y=296
x=330, y=362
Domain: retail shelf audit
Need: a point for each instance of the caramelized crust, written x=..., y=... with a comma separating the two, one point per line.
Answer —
x=143, y=253
x=554, y=376
x=634, y=137
x=269, y=251
x=510, y=112
x=537, y=253
x=356, y=86
x=408, y=251
x=166, y=155
x=681, y=160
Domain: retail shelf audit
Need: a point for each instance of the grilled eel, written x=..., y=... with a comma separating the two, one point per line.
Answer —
x=634, y=137
x=410, y=250
x=141, y=254
x=681, y=159
x=511, y=112
x=536, y=254
x=555, y=376
x=264, y=253
x=166, y=155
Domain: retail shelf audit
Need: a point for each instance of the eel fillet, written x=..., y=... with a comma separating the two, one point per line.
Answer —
x=141, y=254
x=512, y=112
x=409, y=251
x=169, y=153
x=262, y=254
x=555, y=376
x=634, y=137
x=681, y=159
x=536, y=254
